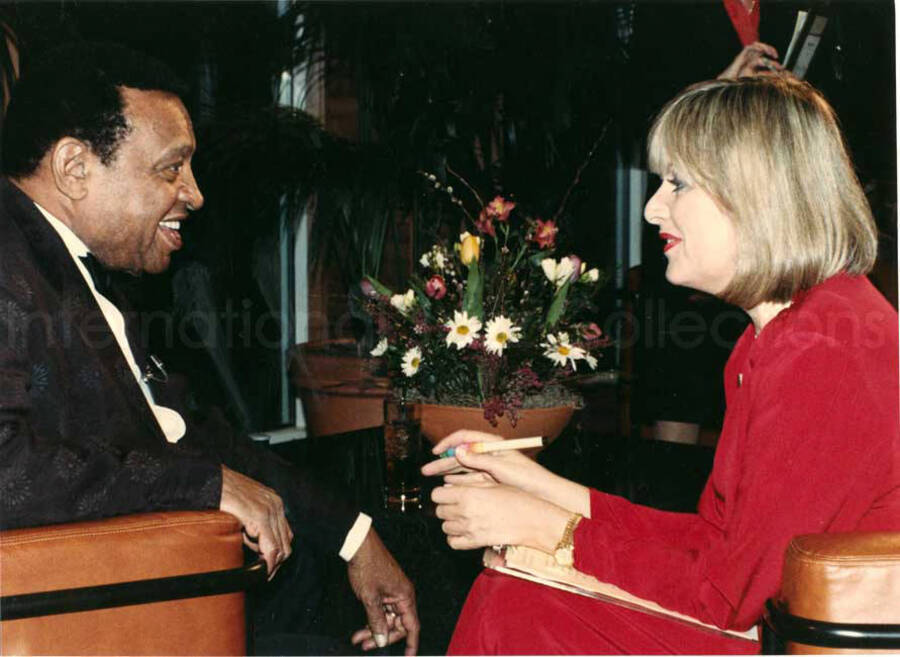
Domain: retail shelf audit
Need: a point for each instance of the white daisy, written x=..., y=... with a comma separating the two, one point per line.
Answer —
x=380, y=348
x=498, y=332
x=561, y=351
x=463, y=329
x=412, y=359
x=404, y=302
x=591, y=361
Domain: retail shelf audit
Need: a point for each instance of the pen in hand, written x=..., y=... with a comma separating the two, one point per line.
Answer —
x=495, y=446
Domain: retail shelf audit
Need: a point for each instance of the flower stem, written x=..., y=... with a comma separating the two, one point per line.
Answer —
x=580, y=170
x=519, y=256
x=466, y=183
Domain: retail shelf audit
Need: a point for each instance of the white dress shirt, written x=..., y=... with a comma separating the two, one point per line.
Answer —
x=170, y=421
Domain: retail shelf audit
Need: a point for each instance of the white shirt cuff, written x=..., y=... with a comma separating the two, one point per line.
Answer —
x=355, y=536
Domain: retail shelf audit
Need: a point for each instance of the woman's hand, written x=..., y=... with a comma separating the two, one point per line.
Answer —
x=755, y=59
x=511, y=468
x=493, y=514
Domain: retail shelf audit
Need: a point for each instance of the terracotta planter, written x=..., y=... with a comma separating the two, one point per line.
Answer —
x=337, y=388
x=439, y=420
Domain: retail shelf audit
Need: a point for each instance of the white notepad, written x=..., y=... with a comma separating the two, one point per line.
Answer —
x=542, y=568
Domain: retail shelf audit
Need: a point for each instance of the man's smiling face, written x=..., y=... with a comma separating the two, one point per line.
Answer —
x=130, y=217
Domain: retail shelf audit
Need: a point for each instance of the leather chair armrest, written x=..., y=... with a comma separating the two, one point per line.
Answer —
x=839, y=591
x=125, y=549
x=843, y=578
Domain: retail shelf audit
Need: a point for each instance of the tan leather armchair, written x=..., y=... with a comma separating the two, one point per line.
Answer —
x=126, y=586
x=839, y=593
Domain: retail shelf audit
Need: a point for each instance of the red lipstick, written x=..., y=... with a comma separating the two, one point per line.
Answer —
x=671, y=241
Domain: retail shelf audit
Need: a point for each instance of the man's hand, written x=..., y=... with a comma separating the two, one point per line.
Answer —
x=386, y=594
x=260, y=510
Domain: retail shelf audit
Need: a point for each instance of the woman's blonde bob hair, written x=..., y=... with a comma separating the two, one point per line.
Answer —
x=768, y=150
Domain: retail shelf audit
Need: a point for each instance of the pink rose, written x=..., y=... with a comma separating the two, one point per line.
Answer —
x=435, y=287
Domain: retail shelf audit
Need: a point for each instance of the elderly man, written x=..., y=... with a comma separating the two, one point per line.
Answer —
x=97, y=148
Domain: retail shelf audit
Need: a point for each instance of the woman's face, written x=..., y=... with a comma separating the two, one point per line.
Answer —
x=699, y=239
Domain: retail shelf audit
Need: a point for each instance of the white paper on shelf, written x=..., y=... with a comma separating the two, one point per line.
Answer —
x=808, y=48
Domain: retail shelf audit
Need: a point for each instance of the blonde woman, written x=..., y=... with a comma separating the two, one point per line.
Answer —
x=758, y=205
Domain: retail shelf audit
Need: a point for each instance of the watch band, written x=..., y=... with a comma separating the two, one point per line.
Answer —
x=564, y=552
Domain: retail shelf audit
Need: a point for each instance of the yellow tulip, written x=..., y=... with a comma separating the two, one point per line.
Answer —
x=469, y=249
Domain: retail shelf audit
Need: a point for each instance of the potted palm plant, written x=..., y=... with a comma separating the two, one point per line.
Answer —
x=338, y=382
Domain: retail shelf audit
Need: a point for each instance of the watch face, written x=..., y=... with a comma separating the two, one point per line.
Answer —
x=565, y=556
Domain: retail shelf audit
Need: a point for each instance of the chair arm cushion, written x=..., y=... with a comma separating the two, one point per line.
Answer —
x=125, y=549
x=843, y=578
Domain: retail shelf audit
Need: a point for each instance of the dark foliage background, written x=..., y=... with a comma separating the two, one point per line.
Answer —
x=510, y=94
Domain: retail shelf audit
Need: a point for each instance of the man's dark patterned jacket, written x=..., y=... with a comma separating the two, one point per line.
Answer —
x=77, y=438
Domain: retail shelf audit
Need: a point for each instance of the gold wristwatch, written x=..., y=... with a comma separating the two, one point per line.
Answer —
x=564, y=553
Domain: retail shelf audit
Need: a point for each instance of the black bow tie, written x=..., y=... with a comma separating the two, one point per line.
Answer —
x=101, y=276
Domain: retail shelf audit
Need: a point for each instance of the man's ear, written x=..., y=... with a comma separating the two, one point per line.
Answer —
x=70, y=164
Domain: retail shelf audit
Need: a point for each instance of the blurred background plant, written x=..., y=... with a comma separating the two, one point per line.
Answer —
x=513, y=95
x=314, y=117
x=9, y=58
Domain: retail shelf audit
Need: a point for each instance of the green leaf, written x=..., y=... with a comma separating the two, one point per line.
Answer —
x=382, y=289
x=421, y=297
x=558, y=305
x=472, y=301
x=539, y=256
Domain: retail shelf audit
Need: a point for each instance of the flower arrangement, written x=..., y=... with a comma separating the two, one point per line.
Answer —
x=495, y=319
